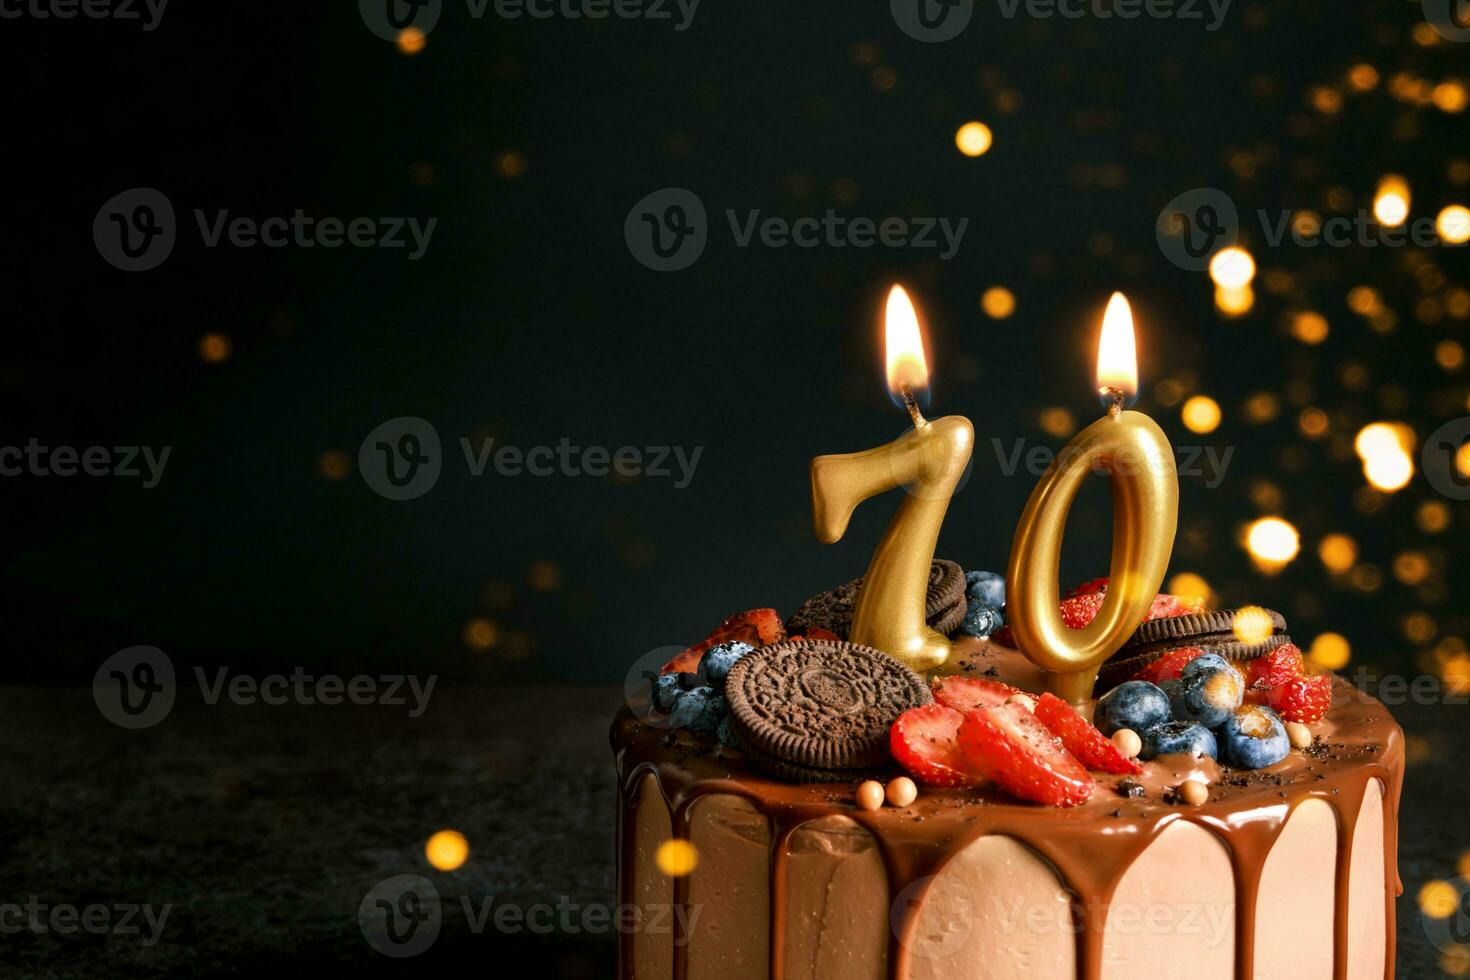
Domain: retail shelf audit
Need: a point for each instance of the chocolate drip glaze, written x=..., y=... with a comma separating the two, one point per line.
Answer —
x=1089, y=847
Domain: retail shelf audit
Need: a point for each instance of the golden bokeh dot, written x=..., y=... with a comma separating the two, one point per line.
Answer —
x=1313, y=422
x=1455, y=960
x=1389, y=471
x=543, y=576
x=998, y=302
x=1438, y=899
x=1169, y=392
x=1272, y=542
x=481, y=634
x=447, y=850
x=1366, y=578
x=1307, y=224
x=1391, y=204
x=1309, y=327
x=411, y=40
x=1433, y=516
x=884, y=79
x=1462, y=459
x=1191, y=586
x=1463, y=865
x=1450, y=97
x=1457, y=303
x=1419, y=627
x=1453, y=224
x=676, y=857
x=1234, y=301
x=334, y=464
x=1363, y=77
x=510, y=164
x=1252, y=624
x=1330, y=651
x=1201, y=414
x=215, y=348
x=1338, y=552
x=1232, y=268
x=1411, y=567
x=1450, y=355
x=1326, y=100
x=1364, y=300
x=1262, y=406
x=1058, y=422
x=973, y=139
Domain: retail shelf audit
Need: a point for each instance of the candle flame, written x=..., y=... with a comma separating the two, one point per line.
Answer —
x=904, y=344
x=1117, y=355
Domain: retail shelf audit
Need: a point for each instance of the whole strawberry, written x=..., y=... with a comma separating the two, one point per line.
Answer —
x=1302, y=699
x=1275, y=668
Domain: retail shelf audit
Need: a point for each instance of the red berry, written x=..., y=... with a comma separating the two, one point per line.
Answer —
x=923, y=740
x=1079, y=611
x=971, y=693
x=1087, y=588
x=1007, y=744
x=1003, y=637
x=817, y=633
x=1088, y=745
x=1167, y=667
x=758, y=627
x=1276, y=667
x=1303, y=699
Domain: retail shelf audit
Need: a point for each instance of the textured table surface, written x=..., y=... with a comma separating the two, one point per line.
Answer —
x=262, y=829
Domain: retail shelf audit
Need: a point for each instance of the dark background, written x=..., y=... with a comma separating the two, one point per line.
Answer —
x=529, y=320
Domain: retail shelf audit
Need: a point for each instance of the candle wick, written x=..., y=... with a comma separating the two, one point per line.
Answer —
x=912, y=404
x=1114, y=398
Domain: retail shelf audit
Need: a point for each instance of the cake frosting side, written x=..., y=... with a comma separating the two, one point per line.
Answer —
x=1288, y=871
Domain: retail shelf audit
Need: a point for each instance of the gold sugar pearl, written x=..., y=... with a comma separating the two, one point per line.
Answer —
x=1128, y=742
x=870, y=795
x=1193, y=792
x=902, y=791
x=1300, y=735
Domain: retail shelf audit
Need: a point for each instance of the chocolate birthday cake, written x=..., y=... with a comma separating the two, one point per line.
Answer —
x=1219, y=811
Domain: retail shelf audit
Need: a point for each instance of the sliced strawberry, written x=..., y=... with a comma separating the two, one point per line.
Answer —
x=758, y=627
x=1088, y=745
x=1087, y=588
x=971, y=693
x=1167, y=667
x=1168, y=606
x=1303, y=699
x=1007, y=744
x=923, y=740
x=1277, y=667
x=817, y=633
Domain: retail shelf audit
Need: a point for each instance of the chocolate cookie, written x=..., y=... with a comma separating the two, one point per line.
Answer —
x=832, y=610
x=1211, y=631
x=817, y=709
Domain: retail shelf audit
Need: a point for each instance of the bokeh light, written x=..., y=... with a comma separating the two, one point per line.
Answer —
x=1252, y=624
x=411, y=40
x=1201, y=414
x=1330, y=651
x=1188, y=585
x=481, y=634
x=676, y=857
x=1338, y=552
x=1438, y=899
x=1453, y=224
x=1272, y=542
x=215, y=348
x=973, y=139
x=1232, y=268
x=1391, y=204
x=998, y=302
x=447, y=850
x=1309, y=327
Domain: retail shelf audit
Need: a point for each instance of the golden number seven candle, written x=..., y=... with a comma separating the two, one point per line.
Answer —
x=1137, y=456
x=928, y=463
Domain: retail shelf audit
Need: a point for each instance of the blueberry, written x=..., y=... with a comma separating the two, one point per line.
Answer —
x=1208, y=696
x=1254, y=738
x=666, y=690
x=698, y=710
x=981, y=620
x=1205, y=661
x=1179, y=737
x=1138, y=705
x=715, y=665
x=986, y=588
x=726, y=734
x=1171, y=688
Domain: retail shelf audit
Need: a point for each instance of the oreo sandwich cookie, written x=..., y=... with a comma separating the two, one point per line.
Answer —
x=1213, y=632
x=819, y=710
x=832, y=610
